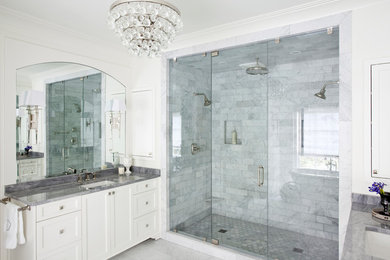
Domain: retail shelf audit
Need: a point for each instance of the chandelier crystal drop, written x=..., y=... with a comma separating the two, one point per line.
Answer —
x=145, y=27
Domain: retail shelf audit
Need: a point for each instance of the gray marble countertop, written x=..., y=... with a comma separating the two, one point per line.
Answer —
x=356, y=246
x=31, y=155
x=47, y=194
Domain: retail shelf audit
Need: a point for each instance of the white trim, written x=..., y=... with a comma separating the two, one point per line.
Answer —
x=5, y=11
x=282, y=31
x=208, y=248
x=254, y=19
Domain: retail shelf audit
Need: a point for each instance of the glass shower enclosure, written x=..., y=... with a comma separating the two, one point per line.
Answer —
x=253, y=147
x=73, y=119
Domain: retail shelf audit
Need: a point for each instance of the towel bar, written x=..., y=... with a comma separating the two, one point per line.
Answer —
x=4, y=201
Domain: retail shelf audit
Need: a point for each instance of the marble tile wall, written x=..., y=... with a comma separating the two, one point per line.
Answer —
x=73, y=121
x=239, y=103
x=264, y=111
x=343, y=20
x=190, y=175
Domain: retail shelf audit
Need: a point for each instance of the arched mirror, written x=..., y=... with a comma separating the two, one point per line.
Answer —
x=68, y=117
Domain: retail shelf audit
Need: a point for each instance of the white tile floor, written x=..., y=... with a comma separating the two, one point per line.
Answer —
x=161, y=250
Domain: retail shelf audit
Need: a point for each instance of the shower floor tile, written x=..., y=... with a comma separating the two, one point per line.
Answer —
x=263, y=240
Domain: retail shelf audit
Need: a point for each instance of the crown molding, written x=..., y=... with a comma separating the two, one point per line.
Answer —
x=256, y=19
x=319, y=8
x=41, y=23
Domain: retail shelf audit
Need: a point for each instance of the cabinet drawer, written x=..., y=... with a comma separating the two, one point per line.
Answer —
x=145, y=226
x=145, y=203
x=27, y=169
x=58, y=208
x=145, y=186
x=72, y=251
x=58, y=232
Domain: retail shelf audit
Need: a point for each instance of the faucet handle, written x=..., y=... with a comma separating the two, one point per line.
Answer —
x=94, y=175
x=83, y=170
x=79, y=178
x=71, y=170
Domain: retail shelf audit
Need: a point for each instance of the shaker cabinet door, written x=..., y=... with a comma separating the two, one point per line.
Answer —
x=121, y=220
x=96, y=220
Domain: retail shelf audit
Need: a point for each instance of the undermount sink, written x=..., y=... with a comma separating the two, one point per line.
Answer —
x=375, y=242
x=98, y=184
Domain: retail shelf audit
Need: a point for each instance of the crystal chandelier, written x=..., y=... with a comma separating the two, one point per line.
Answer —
x=145, y=26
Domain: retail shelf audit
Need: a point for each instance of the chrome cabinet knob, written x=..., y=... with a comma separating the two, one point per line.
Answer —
x=61, y=207
x=375, y=172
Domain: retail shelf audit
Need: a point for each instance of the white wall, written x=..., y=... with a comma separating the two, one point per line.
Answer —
x=370, y=41
x=26, y=41
x=370, y=44
x=147, y=76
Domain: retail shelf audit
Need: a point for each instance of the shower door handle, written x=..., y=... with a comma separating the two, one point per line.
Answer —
x=260, y=175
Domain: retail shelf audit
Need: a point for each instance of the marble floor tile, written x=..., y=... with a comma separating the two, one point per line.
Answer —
x=161, y=250
x=254, y=238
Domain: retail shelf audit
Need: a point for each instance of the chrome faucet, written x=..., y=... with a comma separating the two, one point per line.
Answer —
x=332, y=164
x=87, y=175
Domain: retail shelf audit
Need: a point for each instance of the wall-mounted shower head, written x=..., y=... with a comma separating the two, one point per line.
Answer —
x=321, y=94
x=207, y=102
x=258, y=69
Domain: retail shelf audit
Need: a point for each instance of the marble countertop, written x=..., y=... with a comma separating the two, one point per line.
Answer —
x=31, y=155
x=42, y=195
x=358, y=242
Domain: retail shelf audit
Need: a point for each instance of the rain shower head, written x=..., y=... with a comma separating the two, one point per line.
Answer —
x=258, y=69
x=207, y=102
x=321, y=94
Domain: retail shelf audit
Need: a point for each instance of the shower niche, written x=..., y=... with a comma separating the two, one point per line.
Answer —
x=233, y=132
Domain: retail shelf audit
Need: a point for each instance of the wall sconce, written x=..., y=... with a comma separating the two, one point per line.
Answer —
x=33, y=101
x=115, y=107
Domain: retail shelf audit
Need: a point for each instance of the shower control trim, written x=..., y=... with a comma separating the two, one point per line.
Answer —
x=194, y=148
x=260, y=175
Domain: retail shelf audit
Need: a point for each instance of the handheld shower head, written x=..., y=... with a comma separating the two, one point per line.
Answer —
x=207, y=102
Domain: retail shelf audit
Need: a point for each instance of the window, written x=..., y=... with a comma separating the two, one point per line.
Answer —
x=319, y=138
x=176, y=135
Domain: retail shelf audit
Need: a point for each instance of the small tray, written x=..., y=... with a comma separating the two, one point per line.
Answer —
x=380, y=215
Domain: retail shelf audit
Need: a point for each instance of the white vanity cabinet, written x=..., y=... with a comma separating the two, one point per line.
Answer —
x=30, y=169
x=106, y=223
x=145, y=210
x=52, y=231
x=94, y=226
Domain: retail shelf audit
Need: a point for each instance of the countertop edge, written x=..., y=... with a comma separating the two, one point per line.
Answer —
x=85, y=192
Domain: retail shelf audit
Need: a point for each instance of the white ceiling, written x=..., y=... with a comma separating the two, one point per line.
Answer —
x=89, y=16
